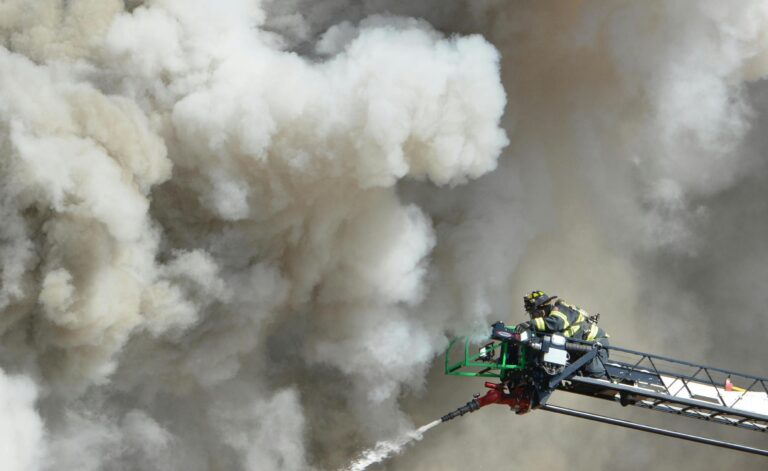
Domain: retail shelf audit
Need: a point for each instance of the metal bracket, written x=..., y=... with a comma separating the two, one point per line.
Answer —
x=573, y=368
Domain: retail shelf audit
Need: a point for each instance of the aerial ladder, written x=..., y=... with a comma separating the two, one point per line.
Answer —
x=528, y=367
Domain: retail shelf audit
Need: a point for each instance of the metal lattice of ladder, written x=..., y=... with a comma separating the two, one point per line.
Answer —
x=681, y=388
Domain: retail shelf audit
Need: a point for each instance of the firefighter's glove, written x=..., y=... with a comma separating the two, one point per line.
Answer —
x=523, y=327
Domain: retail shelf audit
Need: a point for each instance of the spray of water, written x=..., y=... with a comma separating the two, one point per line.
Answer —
x=386, y=448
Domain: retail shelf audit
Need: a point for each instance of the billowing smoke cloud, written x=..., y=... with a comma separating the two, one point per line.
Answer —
x=236, y=234
x=188, y=207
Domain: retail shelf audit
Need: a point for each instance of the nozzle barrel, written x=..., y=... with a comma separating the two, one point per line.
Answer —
x=518, y=400
x=471, y=406
x=574, y=347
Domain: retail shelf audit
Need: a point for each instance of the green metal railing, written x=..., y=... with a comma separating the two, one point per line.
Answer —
x=471, y=364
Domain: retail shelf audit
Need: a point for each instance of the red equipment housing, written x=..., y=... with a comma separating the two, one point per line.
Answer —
x=518, y=400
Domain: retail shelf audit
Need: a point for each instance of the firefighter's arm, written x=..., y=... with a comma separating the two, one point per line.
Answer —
x=555, y=321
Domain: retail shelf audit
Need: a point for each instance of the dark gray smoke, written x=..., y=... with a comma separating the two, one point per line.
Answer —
x=237, y=235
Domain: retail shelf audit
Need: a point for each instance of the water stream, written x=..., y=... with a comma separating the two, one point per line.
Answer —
x=384, y=449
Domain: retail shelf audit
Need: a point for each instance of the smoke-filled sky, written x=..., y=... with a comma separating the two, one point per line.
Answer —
x=238, y=234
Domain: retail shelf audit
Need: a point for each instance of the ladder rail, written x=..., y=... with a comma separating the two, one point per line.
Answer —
x=696, y=408
x=717, y=417
x=677, y=381
x=760, y=379
x=655, y=430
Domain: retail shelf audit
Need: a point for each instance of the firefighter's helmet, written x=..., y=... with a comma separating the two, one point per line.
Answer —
x=535, y=300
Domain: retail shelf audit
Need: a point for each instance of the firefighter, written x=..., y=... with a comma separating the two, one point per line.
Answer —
x=550, y=314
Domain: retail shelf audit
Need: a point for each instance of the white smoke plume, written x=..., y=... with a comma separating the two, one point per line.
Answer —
x=188, y=206
x=236, y=234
